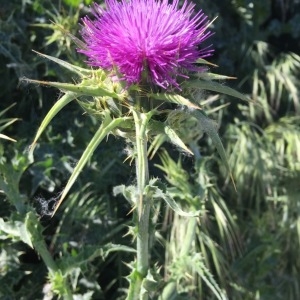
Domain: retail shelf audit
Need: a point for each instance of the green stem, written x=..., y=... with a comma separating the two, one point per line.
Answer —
x=41, y=248
x=38, y=243
x=143, y=204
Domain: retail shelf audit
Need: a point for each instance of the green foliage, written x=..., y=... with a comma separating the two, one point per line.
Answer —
x=191, y=239
x=76, y=3
x=244, y=244
x=6, y=122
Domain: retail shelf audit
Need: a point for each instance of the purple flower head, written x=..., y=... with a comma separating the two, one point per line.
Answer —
x=149, y=39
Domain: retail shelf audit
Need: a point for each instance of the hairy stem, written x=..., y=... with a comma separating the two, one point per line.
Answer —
x=40, y=246
x=143, y=203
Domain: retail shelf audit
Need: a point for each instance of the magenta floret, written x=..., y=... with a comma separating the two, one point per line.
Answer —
x=148, y=38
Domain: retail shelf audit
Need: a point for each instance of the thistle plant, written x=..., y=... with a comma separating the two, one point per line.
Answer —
x=146, y=68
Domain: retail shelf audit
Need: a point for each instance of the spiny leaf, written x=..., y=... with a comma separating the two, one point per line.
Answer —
x=5, y=137
x=7, y=122
x=209, y=127
x=6, y=109
x=80, y=89
x=216, y=87
x=75, y=69
x=174, y=206
x=155, y=192
x=196, y=263
x=129, y=193
x=205, y=62
x=59, y=105
x=213, y=76
x=16, y=229
x=173, y=98
x=159, y=139
x=175, y=139
x=88, y=253
x=106, y=127
x=77, y=41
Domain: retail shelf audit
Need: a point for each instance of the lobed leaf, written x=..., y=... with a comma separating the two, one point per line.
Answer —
x=16, y=229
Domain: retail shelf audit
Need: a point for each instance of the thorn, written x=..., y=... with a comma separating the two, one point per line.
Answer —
x=131, y=210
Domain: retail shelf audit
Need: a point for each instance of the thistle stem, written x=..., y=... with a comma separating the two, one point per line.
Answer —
x=40, y=246
x=53, y=269
x=143, y=202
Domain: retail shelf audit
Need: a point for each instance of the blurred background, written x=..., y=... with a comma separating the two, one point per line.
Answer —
x=246, y=243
